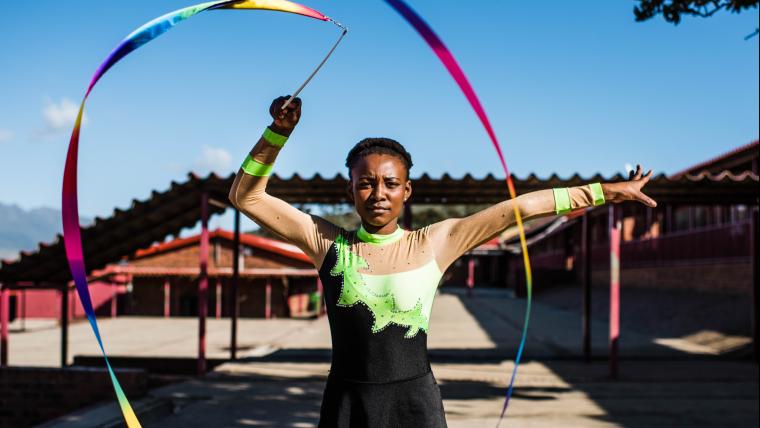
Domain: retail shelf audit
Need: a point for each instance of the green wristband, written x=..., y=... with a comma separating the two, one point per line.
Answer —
x=253, y=167
x=274, y=138
x=597, y=193
x=562, y=200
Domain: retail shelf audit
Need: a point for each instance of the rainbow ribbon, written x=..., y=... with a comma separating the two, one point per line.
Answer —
x=456, y=72
x=71, y=230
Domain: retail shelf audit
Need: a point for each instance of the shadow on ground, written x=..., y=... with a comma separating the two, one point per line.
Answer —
x=656, y=386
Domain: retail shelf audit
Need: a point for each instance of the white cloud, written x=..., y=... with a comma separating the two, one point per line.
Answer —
x=629, y=168
x=5, y=135
x=213, y=159
x=61, y=115
x=58, y=118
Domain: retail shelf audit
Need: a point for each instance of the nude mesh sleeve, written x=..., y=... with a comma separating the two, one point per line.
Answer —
x=312, y=234
x=453, y=237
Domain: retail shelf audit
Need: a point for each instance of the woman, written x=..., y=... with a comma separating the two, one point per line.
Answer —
x=380, y=280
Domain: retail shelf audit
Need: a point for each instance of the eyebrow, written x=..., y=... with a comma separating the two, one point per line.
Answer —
x=385, y=177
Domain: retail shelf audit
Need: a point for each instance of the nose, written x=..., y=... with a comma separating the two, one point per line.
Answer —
x=378, y=192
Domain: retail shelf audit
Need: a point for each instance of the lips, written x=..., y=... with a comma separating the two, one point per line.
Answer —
x=378, y=209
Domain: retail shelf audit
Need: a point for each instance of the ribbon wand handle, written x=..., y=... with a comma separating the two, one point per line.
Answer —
x=313, y=73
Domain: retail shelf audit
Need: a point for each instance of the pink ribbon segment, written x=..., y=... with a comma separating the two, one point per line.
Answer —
x=448, y=60
x=70, y=208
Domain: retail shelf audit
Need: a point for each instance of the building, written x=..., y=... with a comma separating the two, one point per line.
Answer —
x=688, y=242
x=277, y=280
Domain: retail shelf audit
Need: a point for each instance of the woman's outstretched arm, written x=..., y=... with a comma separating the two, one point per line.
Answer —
x=310, y=233
x=453, y=237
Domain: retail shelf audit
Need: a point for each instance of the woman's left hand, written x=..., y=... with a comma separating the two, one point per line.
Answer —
x=629, y=190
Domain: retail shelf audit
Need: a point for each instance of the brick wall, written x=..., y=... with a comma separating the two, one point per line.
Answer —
x=29, y=396
x=719, y=278
x=220, y=254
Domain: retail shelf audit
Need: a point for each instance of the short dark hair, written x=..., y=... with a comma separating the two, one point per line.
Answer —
x=384, y=146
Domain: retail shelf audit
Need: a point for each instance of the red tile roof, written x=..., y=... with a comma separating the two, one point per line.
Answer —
x=706, y=164
x=266, y=244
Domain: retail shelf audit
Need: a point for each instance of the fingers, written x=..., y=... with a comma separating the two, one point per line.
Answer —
x=276, y=107
x=646, y=200
x=637, y=176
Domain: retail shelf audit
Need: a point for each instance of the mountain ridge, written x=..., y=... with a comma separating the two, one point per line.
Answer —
x=23, y=230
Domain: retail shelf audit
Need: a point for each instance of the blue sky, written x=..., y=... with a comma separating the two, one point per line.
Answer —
x=569, y=87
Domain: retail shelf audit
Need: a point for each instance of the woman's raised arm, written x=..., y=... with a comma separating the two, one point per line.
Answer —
x=453, y=237
x=310, y=233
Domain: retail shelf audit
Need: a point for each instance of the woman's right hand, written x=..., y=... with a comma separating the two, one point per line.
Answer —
x=285, y=120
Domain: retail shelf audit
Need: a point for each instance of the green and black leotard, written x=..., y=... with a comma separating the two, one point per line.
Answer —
x=379, y=292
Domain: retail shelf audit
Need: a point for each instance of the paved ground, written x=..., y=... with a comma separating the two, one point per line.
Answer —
x=567, y=394
x=472, y=342
x=487, y=324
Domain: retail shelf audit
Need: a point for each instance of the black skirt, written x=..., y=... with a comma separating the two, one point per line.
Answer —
x=414, y=402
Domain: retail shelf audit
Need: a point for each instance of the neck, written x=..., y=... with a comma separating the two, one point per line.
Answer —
x=379, y=238
x=386, y=229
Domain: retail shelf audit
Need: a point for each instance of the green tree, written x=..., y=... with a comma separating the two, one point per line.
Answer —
x=672, y=10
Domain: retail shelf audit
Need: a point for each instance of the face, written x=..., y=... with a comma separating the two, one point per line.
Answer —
x=378, y=188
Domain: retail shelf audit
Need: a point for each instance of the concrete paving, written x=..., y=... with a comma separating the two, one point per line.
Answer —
x=489, y=323
x=472, y=342
x=567, y=394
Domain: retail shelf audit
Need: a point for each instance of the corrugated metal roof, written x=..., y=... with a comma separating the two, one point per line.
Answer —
x=750, y=150
x=166, y=213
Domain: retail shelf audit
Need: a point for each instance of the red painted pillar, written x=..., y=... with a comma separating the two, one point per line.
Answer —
x=167, y=298
x=614, y=291
x=4, y=320
x=470, y=275
x=203, y=286
x=64, y=325
x=218, y=298
x=586, y=244
x=268, y=300
x=23, y=310
x=235, y=310
x=754, y=291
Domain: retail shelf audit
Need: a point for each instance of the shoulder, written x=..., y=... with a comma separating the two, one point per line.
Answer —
x=432, y=232
x=327, y=228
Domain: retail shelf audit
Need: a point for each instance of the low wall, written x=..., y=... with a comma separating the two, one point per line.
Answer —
x=32, y=395
x=719, y=278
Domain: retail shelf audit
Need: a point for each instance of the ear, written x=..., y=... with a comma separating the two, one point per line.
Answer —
x=407, y=190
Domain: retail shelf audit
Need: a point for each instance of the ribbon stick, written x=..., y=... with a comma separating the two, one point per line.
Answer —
x=70, y=209
x=456, y=72
x=313, y=73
